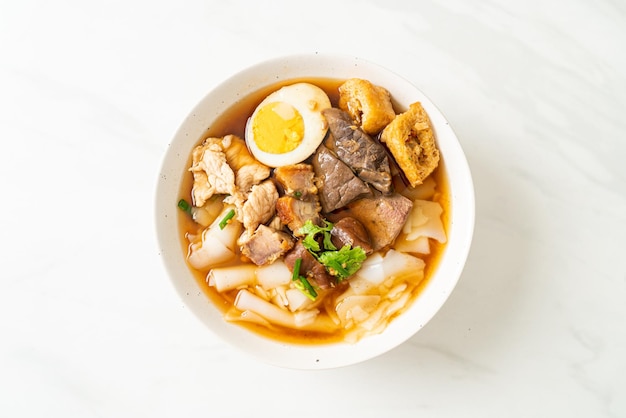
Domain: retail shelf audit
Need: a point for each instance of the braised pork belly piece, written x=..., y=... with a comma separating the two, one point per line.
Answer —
x=295, y=213
x=299, y=202
x=265, y=245
x=297, y=180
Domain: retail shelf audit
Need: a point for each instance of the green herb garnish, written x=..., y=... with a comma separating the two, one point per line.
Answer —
x=311, y=230
x=227, y=218
x=184, y=206
x=344, y=262
x=341, y=263
x=301, y=282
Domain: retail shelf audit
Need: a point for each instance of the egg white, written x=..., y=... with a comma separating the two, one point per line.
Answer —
x=309, y=100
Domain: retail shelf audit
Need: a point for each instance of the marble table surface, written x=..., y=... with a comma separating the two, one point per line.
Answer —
x=91, y=94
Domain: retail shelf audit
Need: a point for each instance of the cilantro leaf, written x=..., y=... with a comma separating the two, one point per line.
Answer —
x=311, y=244
x=341, y=263
x=344, y=262
x=328, y=243
x=311, y=230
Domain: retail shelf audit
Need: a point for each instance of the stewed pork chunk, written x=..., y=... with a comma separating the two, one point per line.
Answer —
x=338, y=184
x=358, y=150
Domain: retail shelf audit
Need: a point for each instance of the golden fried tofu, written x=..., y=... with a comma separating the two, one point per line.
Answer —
x=411, y=140
x=368, y=105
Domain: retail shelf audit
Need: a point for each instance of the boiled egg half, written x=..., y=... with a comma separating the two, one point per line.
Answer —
x=288, y=125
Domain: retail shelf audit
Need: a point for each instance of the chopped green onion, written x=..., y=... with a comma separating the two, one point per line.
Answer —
x=339, y=271
x=227, y=218
x=305, y=287
x=301, y=282
x=296, y=269
x=184, y=206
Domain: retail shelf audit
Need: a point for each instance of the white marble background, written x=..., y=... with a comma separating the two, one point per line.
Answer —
x=91, y=93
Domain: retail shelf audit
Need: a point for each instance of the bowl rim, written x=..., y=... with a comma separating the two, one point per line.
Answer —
x=324, y=356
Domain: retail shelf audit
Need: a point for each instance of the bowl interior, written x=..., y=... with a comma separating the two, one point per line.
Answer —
x=241, y=85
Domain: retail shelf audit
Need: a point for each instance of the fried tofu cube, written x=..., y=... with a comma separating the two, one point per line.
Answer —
x=368, y=105
x=411, y=141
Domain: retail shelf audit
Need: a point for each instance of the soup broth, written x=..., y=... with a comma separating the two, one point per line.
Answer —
x=327, y=330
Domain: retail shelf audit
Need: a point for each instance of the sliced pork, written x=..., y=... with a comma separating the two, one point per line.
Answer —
x=338, y=185
x=211, y=172
x=349, y=231
x=248, y=171
x=366, y=156
x=383, y=216
x=260, y=206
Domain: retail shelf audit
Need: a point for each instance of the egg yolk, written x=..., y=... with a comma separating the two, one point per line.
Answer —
x=278, y=128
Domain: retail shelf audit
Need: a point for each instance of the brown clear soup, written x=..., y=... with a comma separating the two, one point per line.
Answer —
x=233, y=121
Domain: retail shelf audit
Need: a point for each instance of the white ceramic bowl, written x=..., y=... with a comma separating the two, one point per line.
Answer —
x=283, y=354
